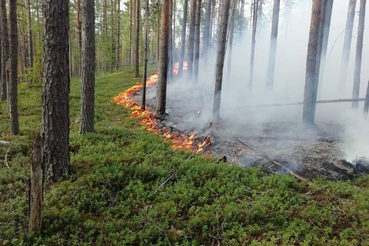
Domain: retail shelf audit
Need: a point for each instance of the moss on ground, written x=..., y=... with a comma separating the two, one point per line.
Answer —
x=112, y=195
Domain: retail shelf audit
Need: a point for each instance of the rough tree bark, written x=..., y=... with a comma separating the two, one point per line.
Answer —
x=207, y=30
x=13, y=81
x=359, y=53
x=4, y=51
x=88, y=67
x=347, y=44
x=143, y=99
x=197, y=41
x=255, y=12
x=55, y=94
x=183, y=37
x=137, y=39
x=163, y=60
x=220, y=59
x=230, y=41
x=313, y=60
x=29, y=34
x=191, y=40
x=273, y=45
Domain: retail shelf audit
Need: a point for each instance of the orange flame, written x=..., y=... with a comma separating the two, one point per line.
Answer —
x=178, y=140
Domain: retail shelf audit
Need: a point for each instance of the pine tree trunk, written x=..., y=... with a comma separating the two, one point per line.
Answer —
x=29, y=33
x=13, y=81
x=197, y=41
x=359, y=53
x=118, y=48
x=183, y=37
x=191, y=40
x=143, y=99
x=220, y=60
x=347, y=44
x=56, y=83
x=273, y=45
x=130, y=30
x=163, y=59
x=170, y=54
x=207, y=30
x=255, y=12
x=327, y=27
x=88, y=67
x=313, y=61
x=105, y=34
x=230, y=41
x=4, y=51
x=137, y=39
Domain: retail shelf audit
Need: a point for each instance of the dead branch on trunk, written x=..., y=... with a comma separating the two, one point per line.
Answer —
x=301, y=103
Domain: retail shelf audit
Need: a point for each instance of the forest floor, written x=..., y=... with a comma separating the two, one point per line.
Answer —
x=129, y=187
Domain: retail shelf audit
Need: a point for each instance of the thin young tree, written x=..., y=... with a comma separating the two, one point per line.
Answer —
x=255, y=8
x=13, y=81
x=29, y=34
x=191, y=40
x=313, y=60
x=220, y=59
x=230, y=40
x=327, y=27
x=143, y=99
x=136, y=54
x=105, y=34
x=4, y=51
x=88, y=67
x=183, y=37
x=273, y=45
x=347, y=44
x=197, y=41
x=163, y=60
x=118, y=45
x=207, y=30
x=359, y=53
x=55, y=94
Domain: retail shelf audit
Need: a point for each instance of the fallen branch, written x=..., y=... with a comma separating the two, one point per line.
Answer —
x=292, y=173
x=6, y=155
x=301, y=103
x=2, y=142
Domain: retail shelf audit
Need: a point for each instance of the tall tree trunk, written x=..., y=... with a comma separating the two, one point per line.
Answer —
x=13, y=82
x=313, y=60
x=112, y=15
x=183, y=37
x=29, y=33
x=143, y=99
x=359, y=53
x=79, y=30
x=220, y=60
x=55, y=95
x=163, y=59
x=347, y=44
x=118, y=49
x=4, y=51
x=130, y=30
x=197, y=41
x=105, y=34
x=191, y=40
x=88, y=67
x=273, y=45
x=327, y=27
x=230, y=41
x=207, y=31
x=170, y=58
x=137, y=39
x=255, y=12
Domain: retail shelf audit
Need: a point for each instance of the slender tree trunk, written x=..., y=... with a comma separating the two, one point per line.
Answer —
x=197, y=41
x=253, y=41
x=118, y=46
x=13, y=82
x=130, y=30
x=143, y=99
x=4, y=51
x=191, y=40
x=207, y=31
x=230, y=41
x=313, y=61
x=220, y=60
x=55, y=95
x=163, y=59
x=88, y=67
x=79, y=31
x=183, y=37
x=359, y=53
x=347, y=44
x=158, y=38
x=170, y=58
x=105, y=34
x=327, y=27
x=29, y=33
x=273, y=45
x=137, y=39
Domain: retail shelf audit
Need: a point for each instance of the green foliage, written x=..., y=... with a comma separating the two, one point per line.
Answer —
x=113, y=197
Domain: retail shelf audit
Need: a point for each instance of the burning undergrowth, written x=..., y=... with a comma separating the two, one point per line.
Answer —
x=283, y=147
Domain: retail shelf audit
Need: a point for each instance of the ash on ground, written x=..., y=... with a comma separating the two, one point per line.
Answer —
x=309, y=152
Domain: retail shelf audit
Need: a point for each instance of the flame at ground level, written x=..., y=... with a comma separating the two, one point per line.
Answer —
x=178, y=140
